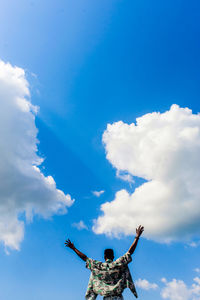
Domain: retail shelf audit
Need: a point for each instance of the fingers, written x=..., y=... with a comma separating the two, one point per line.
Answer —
x=68, y=243
x=140, y=229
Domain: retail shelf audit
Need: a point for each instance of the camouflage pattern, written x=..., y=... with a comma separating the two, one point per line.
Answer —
x=109, y=278
x=113, y=298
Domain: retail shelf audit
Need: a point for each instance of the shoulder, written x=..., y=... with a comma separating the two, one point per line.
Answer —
x=125, y=259
x=93, y=264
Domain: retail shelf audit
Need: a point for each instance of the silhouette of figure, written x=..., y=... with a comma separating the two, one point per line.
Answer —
x=109, y=278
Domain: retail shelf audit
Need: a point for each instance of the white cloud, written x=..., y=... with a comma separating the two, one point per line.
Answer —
x=178, y=290
x=125, y=177
x=98, y=193
x=145, y=284
x=162, y=148
x=80, y=225
x=197, y=270
x=23, y=187
x=193, y=244
x=196, y=286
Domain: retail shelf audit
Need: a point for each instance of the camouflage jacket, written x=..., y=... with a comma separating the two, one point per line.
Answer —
x=109, y=278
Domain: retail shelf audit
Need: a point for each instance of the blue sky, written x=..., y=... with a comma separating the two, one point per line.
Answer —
x=90, y=63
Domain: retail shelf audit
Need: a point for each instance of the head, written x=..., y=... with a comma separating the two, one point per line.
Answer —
x=109, y=254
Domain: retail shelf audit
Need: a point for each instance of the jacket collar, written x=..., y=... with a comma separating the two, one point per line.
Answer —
x=109, y=260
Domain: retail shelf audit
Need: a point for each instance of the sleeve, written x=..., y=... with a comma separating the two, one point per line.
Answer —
x=92, y=264
x=90, y=294
x=125, y=259
x=89, y=263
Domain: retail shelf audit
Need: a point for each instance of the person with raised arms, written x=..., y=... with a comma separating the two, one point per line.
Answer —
x=109, y=278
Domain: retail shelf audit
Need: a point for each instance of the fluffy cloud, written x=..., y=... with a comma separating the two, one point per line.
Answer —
x=80, y=225
x=178, y=290
x=24, y=190
x=162, y=148
x=145, y=284
x=98, y=193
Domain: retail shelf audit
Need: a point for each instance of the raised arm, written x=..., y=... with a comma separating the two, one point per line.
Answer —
x=139, y=231
x=69, y=244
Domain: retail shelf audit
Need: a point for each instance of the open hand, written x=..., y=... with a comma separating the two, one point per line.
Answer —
x=69, y=244
x=139, y=231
